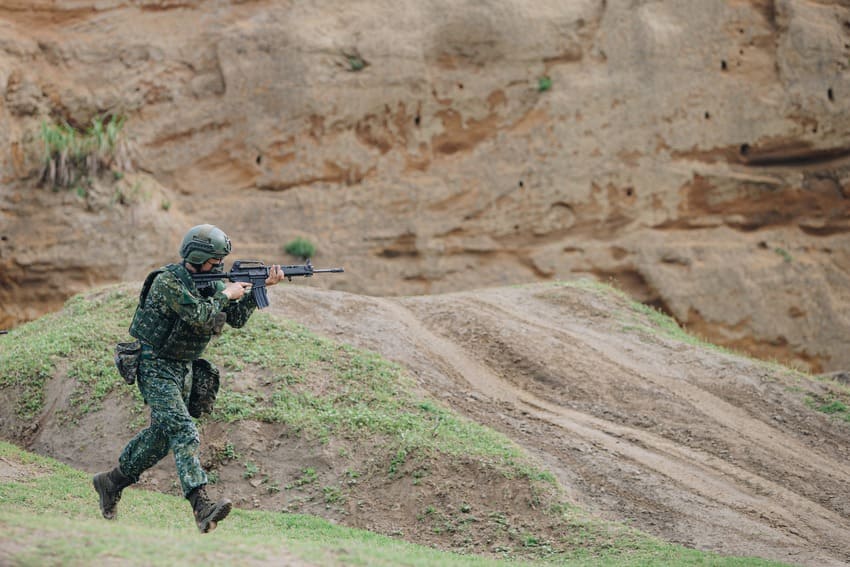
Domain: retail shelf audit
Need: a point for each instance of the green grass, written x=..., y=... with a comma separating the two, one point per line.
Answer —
x=80, y=339
x=835, y=403
x=74, y=155
x=50, y=517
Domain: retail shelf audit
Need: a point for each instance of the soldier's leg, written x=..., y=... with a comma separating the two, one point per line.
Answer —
x=171, y=422
x=150, y=445
x=142, y=452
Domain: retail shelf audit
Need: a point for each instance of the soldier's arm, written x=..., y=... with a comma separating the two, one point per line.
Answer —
x=238, y=312
x=191, y=308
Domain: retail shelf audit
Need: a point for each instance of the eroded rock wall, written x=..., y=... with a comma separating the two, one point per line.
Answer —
x=696, y=153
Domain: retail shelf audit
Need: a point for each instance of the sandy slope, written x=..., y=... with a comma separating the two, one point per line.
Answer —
x=702, y=448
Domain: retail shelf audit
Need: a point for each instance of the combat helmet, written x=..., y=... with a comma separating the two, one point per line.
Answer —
x=203, y=242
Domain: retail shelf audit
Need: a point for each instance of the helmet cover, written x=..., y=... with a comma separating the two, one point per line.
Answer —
x=203, y=242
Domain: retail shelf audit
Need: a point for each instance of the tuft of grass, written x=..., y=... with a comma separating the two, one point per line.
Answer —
x=834, y=404
x=72, y=156
x=544, y=84
x=301, y=248
x=784, y=253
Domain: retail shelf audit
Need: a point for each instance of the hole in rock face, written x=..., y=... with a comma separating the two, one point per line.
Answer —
x=259, y=160
x=829, y=94
x=745, y=149
x=723, y=65
x=521, y=184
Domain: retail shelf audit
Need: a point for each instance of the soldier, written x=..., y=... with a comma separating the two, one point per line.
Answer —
x=174, y=323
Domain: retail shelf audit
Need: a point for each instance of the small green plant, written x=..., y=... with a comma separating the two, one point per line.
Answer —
x=300, y=247
x=308, y=476
x=73, y=156
x=332, y=494
x=398, y=461
x=355, y=61
x=230, y=451
x=784, y=253
x=835, y=406
x=251, y=470
x=544, y=83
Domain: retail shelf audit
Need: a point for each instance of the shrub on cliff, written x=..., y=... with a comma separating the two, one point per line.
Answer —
x=72, y=156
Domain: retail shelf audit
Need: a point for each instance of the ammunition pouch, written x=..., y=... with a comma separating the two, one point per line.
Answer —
x=218, y=323
x=205, y=382
x=127, y=360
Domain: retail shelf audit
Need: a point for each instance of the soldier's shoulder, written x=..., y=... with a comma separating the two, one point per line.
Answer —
x=167, y=280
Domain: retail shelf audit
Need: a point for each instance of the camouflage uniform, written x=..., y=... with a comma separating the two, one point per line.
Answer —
x=175, y=323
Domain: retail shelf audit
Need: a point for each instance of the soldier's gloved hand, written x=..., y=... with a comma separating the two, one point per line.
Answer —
x=235, y=290
x=275, y=275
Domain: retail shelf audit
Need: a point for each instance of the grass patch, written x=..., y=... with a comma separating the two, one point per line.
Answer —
x=834, y=404
x=52, y=518
x=301, y=248
x=81, y=338
x=72, y=156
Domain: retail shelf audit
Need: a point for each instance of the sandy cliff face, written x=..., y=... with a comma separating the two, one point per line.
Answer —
x=697, y=154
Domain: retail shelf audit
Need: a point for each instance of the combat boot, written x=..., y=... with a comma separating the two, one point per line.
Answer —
x=109, y=486
x=207, y=512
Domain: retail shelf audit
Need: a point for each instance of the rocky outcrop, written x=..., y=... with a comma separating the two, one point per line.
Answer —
x=699, y=156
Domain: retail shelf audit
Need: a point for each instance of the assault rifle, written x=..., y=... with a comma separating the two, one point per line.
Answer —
x=255, y=273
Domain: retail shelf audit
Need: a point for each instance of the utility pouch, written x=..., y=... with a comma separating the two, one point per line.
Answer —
x=127, y=360
x=205, y=382
x=218, y=323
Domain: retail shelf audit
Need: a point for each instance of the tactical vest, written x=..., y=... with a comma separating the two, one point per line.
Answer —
x=156, y=325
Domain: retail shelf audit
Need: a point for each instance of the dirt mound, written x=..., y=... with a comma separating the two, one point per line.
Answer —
x=690, y=444
x=695, y=446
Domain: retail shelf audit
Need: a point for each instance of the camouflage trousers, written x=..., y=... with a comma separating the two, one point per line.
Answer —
x=166, y=384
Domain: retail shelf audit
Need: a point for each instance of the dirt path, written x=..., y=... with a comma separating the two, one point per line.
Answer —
x=694, y=446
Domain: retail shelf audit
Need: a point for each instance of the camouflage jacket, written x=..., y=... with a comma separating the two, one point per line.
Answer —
x=176, y=320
